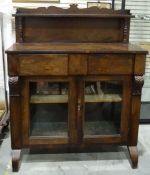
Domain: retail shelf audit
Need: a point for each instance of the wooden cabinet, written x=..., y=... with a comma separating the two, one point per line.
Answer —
x=74, y=96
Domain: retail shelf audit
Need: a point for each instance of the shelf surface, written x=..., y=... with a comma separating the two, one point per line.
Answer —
x=37, y=99
x=67, y=48
x=103, y=98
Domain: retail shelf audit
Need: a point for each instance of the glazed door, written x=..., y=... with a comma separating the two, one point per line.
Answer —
x=46, y=105
x=106, y=109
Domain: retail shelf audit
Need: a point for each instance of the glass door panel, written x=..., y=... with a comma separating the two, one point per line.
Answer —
x=48, y=108
x=103, y=106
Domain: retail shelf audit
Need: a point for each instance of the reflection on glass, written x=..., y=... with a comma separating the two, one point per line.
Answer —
x=103, y=103
x=48, y=108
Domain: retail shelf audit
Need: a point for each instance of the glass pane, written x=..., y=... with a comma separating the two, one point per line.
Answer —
x=48, y=108
x=103, y=103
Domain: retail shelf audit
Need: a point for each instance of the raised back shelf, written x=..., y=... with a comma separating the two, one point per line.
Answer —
x=55, y=24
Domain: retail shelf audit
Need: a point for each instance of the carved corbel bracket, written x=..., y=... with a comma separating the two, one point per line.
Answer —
x=138, y=82
x=14, y=87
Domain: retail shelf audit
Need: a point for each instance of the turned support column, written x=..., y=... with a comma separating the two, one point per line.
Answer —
x=15, y=121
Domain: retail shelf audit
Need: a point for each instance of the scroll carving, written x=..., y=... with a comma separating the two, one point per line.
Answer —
x=14, y=87
x=138, y=83
x=73, y=9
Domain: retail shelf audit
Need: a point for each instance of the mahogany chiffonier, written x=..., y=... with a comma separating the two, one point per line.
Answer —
x=75, y=81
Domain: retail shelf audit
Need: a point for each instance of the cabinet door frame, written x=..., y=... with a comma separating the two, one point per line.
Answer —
x=28, y=140
x=125, y=113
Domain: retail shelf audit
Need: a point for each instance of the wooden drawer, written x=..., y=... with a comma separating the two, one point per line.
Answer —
x=110, y=64
x=43, y=64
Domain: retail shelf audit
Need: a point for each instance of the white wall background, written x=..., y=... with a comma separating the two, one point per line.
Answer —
x=140, y=26
x=1, y=61
x=6, y=10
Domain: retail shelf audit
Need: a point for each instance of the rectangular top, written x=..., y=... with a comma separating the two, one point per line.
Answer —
x=74, y=48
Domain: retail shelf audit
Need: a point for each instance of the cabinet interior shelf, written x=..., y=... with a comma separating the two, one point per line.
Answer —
x=49, y=99
x=37, y=99
x=103, y=98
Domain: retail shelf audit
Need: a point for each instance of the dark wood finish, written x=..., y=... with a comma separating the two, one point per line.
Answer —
x=73, y=134
x=25, y=112
x=133, y=155
x=125, y=109
x=105, y=139
x=15, y=117
x=139, y=66
x=13, y=66
x=104, y=30
x=53, y=11
x=126, y=28
x=43, y=64
x=16, y=159
x=135, y=110
x=80, y=108
x=47, y=140
x=19, y=27
x=79, y=63
x=73, y=45
x=108, y=25
x=68, y=48
x=101, y=64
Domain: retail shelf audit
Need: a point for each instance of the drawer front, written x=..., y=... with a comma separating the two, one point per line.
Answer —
x=110, y=64
x=43, y=64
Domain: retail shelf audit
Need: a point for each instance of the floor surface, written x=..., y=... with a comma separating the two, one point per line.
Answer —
x=102, y=163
